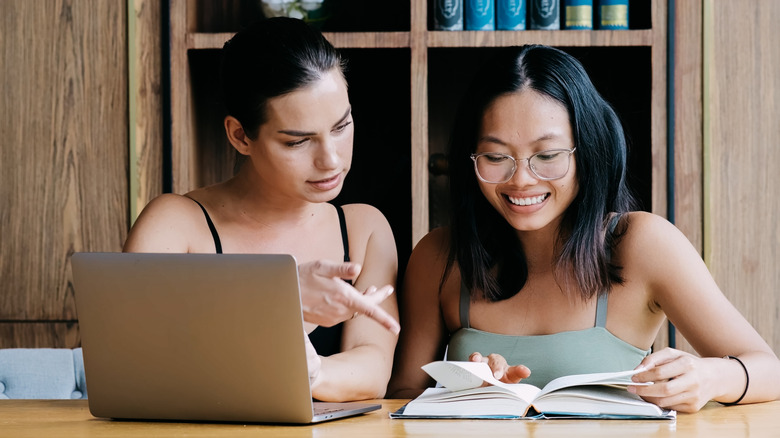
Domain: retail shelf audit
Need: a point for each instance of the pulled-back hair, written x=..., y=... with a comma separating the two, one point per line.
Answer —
x=268, y=59
x=484, y=246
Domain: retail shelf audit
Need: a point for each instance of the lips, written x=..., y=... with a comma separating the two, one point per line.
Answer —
x=527, y=200
x=327, y=183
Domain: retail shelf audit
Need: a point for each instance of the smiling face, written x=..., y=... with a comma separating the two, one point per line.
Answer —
x=304, y=149
x=522, y=124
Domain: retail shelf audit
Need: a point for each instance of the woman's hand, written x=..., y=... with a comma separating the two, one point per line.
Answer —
x=681, y=381
x=328, y=300
x=501, y=370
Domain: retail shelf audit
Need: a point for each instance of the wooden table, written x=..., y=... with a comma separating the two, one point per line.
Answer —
x=71, y=418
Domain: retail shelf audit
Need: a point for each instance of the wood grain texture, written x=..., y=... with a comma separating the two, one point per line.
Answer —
x=146, y=103
x=688, y=128
x=63, y=147
x=658, y=104
x=56, y=334
x=419, y=121
x=742, y=153
x=182, y=125
x=72, y=418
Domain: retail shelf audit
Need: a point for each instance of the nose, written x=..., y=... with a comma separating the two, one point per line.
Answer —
x=523, y=175
x=327, y=155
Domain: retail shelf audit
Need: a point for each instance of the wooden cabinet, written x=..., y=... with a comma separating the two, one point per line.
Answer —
x=405, y=80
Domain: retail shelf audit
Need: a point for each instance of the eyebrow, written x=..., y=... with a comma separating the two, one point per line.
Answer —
x=295, y=133
x=496, y=140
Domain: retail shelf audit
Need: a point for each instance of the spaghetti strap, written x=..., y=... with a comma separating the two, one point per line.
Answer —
x=465, y=304
x=601, y=311
x=601, y=304
x=344, y=237
x=212, y=228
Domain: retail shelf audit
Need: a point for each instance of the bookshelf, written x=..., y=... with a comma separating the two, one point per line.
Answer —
x=405, y=80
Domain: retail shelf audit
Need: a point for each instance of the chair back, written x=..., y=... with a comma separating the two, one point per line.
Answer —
x=42, y=373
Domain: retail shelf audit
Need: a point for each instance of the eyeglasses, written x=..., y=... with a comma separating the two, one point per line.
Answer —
x=498, y=168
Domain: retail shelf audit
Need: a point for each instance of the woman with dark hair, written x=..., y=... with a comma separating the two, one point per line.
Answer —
x=546, y=270
x=290, y=121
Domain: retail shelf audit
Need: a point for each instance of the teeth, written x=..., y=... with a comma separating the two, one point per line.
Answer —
x=526, y=201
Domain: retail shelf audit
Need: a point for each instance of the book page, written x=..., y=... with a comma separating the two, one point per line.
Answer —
x=459, y=376
x=620, y=378
x=597, y=401
x=482, y=402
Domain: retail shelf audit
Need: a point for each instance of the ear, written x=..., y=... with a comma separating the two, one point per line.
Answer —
x=236, y=135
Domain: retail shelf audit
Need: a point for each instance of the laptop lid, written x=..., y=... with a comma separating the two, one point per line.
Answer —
x=195, y=337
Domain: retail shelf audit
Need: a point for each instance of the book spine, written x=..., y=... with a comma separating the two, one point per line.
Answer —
x=613, y=14
x=480, y=14
x=510, y=14
x=448, y=14
x=578, y=14
x=544, y=14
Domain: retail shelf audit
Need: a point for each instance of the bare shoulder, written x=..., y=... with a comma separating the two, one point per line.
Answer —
x=434, y=245
x=429, y=256
x=363, y=213
x=168, y=209
x=364, y=219
x=650, y=230
x=166, y=224
x=653, y=245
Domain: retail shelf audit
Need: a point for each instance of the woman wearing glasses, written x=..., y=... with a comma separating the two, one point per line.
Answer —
x=545, y=269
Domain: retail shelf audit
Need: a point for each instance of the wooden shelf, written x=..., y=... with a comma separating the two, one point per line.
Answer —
x=342, y=40
x=561, y=38
x=425, y=70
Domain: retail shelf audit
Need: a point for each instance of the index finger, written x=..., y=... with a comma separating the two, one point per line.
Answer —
x=371, y=309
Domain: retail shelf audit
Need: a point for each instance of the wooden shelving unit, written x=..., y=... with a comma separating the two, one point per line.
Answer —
x=405, y=80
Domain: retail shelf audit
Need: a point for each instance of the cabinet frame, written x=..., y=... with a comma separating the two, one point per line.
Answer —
x=419, y=39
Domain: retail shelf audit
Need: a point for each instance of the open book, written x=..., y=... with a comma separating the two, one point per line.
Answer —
x=470, y=391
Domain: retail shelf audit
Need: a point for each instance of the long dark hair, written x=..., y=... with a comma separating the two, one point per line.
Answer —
x=268, y=59
x=486, y=248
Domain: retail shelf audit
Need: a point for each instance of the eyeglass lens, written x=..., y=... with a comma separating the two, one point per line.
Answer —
x=546, y=165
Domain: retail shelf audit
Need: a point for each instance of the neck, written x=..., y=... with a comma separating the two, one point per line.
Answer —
x=252, y=201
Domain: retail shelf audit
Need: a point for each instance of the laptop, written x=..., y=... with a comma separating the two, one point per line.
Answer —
x=196, y=337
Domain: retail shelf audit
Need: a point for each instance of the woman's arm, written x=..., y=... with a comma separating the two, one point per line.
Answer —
x=423, y=332
x=362, y=369
x=682, y=286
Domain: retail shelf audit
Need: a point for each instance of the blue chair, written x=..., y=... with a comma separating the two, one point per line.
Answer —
x=42, y=373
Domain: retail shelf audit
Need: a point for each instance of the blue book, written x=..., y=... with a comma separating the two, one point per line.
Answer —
x=480, y=15
x=544, y=14
x=613, y=14
x=578, y=14
x=448, y=15
x=510, y=14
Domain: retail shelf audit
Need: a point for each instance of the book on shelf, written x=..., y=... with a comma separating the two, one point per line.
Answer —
x=469, y=390
x=544, y=14
x=612, y=14
x=479, y=14
x=510, y=14
x=578, y=14
x=448, y=15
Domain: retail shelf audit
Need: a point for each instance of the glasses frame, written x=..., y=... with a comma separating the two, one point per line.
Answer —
x=528, y=162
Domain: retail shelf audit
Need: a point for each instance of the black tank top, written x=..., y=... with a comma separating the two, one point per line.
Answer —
x=326, y=340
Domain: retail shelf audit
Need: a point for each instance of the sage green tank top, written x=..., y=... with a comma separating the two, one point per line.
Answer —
x=592, y=350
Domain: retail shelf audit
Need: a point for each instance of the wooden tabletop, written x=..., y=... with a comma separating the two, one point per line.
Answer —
x=71, y=418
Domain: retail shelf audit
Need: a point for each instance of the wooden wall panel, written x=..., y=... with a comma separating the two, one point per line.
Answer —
x=39, y=334
x=688, y=142
x=145, y=102
x=742, y=157
x=63, y=149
